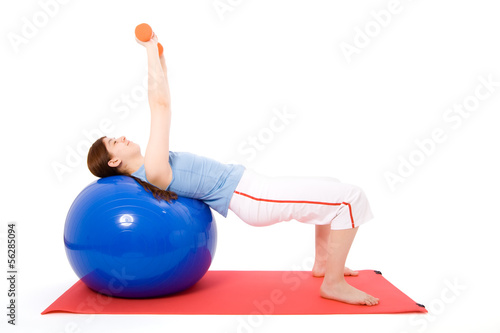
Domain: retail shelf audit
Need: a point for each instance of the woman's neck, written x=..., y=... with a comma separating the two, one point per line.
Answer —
x=133, y=165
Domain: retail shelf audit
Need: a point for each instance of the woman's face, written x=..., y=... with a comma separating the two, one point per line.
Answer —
x=121, y=148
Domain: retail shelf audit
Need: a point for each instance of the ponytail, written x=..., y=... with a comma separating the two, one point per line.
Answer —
x=157, y=192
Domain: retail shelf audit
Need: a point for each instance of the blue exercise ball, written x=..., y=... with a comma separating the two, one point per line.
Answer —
x=123, y=242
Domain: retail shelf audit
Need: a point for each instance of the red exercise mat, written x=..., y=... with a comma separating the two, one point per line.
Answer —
x=244, y=292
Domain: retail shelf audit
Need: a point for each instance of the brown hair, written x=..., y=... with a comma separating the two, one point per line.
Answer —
x=97, y=162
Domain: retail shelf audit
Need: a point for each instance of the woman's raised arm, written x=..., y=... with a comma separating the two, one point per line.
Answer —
x=158, y=171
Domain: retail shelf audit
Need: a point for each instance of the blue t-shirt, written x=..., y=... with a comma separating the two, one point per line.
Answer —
x=201, y=178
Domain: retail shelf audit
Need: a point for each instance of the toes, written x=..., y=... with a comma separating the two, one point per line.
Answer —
x=348, y=271
x=370, y=300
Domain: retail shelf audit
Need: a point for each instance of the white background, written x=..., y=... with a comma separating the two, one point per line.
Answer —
x=355, y=116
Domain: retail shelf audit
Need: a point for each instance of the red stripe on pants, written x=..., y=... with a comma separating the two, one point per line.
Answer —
x=306, y=202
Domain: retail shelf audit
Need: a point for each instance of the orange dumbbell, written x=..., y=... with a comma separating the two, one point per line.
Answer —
x=143, y=32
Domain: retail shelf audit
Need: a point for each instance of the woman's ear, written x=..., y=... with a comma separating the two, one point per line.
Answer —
x=114, y=163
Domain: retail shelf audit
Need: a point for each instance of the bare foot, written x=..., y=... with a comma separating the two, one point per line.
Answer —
x=346, y=293
x=319, y=270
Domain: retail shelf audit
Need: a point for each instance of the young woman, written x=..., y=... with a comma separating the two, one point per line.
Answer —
x=336, y=209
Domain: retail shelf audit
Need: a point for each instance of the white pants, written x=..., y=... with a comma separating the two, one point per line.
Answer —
x=261, y=201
